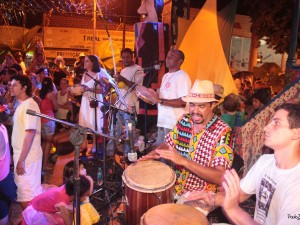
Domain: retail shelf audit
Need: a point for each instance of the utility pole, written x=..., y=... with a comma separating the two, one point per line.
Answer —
x=94, y=25
x=124, y=22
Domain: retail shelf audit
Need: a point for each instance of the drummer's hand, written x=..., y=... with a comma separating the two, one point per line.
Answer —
x=119, y=78
x=203, y=200
x=152, y=155
x=156, y=98
x=231, y=185
x=116, y=77
x=206, y=196
x=172, y=154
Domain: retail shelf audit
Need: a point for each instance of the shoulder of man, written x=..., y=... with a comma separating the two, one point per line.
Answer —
x=217, y=122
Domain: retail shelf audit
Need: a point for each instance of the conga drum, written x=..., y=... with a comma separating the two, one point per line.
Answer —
x=173, y=214
x=147, y=184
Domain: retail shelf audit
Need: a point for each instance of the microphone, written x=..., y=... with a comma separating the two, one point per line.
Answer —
x=134, y=112
x=132, y=156
x=31, y=112
x=154, y=67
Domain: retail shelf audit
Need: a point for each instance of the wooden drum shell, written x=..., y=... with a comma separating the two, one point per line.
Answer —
x=140, y=198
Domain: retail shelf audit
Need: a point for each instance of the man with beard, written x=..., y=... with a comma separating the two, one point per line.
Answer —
x=199, y=145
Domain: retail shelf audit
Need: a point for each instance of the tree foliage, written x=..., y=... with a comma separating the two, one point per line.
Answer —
x=272, y=21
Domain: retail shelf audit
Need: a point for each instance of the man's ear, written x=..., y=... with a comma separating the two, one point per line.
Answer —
x=180, y=61
x=296, y=134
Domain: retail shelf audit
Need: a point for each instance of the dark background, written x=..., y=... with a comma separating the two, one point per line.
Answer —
x=29, y=13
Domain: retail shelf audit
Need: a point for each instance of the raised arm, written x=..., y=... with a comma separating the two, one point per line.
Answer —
x=233, y=196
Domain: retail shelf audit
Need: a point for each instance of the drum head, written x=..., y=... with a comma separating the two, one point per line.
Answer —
x=149, y=176
x=146, y=94
x=173, y=214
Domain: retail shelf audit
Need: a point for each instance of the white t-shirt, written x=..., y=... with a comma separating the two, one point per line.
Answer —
x=277, y=192
x=22, y=122
x=174, y=85
x=134, y=74
x=61, y=100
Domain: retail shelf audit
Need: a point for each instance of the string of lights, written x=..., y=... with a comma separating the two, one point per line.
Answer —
x=13, y=11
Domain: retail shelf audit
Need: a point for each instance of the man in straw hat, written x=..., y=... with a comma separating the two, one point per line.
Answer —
x=199, y=145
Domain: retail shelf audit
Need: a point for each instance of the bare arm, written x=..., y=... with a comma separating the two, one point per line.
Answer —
x=54, y=101
x=229, y=199
x=66, y=215
x=154, y=154
x=28, y=139
x=212, y=175
x=98, y=89
x=175, y=103
x=120, y=78
x=92, y=185
x=232, y=198
x=2, y=145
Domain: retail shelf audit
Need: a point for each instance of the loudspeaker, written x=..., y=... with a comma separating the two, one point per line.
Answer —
x=151, y=48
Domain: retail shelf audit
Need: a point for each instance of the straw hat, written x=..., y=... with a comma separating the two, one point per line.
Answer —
x=202, y=91
x=81, y=54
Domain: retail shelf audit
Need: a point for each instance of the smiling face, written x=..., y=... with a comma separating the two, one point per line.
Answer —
x=278, y=133
x=201, y=113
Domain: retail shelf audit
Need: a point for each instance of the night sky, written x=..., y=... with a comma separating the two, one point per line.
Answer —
x=12, y=11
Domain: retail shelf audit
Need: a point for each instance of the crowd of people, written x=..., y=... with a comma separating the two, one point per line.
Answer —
x=28, y=139
x=194, y=137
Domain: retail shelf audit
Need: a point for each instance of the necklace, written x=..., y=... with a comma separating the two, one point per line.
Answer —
x=167, y=84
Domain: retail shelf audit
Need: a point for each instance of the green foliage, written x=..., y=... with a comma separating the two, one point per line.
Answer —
x=272, y=20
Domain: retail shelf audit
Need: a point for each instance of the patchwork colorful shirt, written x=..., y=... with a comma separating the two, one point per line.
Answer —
x=211, y=147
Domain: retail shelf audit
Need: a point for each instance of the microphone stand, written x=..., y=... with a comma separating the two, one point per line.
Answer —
x=76, y=138
x=121, y=98
x=111, y=106
x=148, y=83
x=96, y=82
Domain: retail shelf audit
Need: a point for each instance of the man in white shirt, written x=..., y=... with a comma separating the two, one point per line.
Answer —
x=131, y=75
x=175, y=84
x=26, y=142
